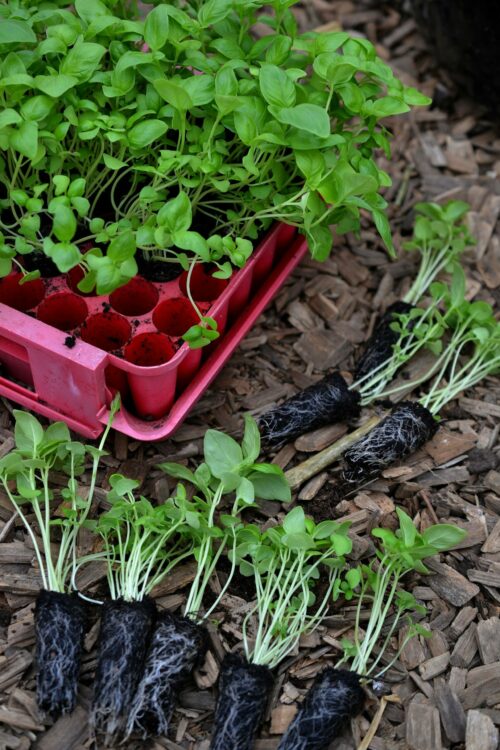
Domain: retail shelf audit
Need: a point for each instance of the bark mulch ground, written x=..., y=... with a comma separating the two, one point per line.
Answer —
x=446, y=689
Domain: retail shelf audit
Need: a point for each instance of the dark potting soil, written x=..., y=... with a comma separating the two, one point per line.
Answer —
x=401, y=433
x=123, y=641
x=70, y=341
x=157, y=270
x=40, y=262
x=242, y=586
x=322, y=506
x=177, y=645
x=323, y=403
x=244, y=691
x=59, y=629
x=335, y=698
x=378, y=348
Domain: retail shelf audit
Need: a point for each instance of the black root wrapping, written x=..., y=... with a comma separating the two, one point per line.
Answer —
x=404, y=431
x=334, y=699
x=323, y=403
x=243, y=694
x=123, y=642
x=59, y=628
x=176, y=646
x=379, y=347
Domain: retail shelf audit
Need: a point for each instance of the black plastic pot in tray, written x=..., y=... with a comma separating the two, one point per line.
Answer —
x=464, y=37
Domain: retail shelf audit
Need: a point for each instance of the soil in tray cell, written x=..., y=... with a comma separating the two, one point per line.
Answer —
x=138, y=297
x=158, y=270
x=149, y=350
x=63, y=310
x=175, y=316
x=107, y=330
x=40, y=262
x=204, y=287
x=21, y=296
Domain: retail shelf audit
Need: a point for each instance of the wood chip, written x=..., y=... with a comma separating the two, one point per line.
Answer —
x=450, y=711
x=465, y=647
x=488, y=639
x=451, y=585
x=481, y=733
x=423, y=730
x=434, y=667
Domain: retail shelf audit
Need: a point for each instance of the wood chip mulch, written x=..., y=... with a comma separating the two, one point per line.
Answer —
x=446, y=689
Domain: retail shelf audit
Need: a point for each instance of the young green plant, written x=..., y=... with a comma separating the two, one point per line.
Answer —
x=286, y=563
x=406, y=328
x=141, y=543
x=337, y=693
x=25, y=475
x=471, y=353
x=230, y=475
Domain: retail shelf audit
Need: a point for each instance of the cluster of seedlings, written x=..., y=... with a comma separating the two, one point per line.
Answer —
x=298, y=569
x=463, y=336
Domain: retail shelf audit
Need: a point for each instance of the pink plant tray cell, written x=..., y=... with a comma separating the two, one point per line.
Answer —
x=65, y=354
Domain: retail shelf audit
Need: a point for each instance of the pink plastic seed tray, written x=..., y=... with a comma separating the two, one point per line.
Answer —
x=64, y=354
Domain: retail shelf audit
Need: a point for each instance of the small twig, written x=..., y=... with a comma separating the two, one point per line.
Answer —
x=8, y=525
x=365, y=744
x=425, y=497
x=312, y=466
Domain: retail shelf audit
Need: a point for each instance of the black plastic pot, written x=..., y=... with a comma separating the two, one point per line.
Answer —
x=463, y=36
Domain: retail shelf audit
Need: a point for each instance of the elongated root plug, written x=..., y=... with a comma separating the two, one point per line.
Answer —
x=334, y=699
x=59, y=628
x=379, y=347
x=243, y=694
x=177, y=644
x=323, y=403
x=123, y=640
x=404, y=431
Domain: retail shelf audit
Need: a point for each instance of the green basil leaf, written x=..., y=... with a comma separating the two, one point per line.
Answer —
x=144, y=133
x=56, y=85
x=14, y=31
x=157, y=27
x=173, y=94
x=276, y=87
x=82, y=60
x=309, y=117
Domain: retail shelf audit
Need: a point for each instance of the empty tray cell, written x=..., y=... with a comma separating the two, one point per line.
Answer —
x=74, y=277
x=204, y=286
x=149, y=349
x=107, y=330
x=153, y=388
x=175, y=316
x=63, y=310
x=138, y=297
x=21, y=296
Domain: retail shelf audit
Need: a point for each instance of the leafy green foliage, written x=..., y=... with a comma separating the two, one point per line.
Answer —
x=377, y=586
x=229, y=469
x=440, y=236
x=25, y=475
x=142, y=542
x=286, y=562
x=111, y=145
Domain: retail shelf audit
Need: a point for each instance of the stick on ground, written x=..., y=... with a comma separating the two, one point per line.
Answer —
x=312, y=466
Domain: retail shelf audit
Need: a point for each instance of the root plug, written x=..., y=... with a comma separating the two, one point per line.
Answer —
x=335, y=698
x=125, y=631
x=401, y=433
x=323, y=403
x=59, y=629
x=244, y=690
x=176, y=645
